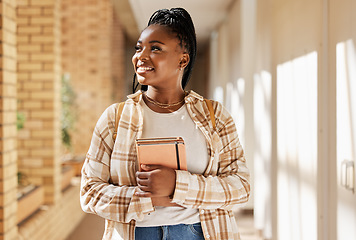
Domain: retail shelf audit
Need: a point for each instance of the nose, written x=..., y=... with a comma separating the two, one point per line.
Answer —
x=142, y=55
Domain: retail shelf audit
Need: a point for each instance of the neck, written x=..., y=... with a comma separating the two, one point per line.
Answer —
x=167, y=96
x=164, y=97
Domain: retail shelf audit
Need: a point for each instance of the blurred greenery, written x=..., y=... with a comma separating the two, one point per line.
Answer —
x=68, y=116
x=20, y=120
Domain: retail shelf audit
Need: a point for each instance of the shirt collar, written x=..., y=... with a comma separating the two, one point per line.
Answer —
x=136, y=97
x=193, y=95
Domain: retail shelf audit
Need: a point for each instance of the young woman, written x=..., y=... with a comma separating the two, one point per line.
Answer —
x=159, y=202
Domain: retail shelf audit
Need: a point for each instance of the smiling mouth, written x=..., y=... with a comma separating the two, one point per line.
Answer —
x=144, y=69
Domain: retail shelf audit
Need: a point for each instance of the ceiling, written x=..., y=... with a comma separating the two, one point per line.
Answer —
x=206, y=14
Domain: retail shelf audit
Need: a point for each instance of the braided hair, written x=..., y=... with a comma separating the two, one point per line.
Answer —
x=180, y=23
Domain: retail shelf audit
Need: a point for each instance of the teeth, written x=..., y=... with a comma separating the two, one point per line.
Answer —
x=144, y=68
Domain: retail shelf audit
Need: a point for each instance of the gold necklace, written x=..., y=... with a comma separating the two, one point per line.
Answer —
x=163, y=105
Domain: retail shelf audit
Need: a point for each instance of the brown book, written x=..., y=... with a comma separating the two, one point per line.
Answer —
x=169, y=152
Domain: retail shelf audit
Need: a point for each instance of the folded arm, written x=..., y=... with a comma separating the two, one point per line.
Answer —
x=97, y=194
x=226, y=188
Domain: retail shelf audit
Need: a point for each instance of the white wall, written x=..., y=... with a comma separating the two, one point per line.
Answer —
x=265, y=197
x=231, y=73
x=296, y=46
x=291, y=88
x=343, y=75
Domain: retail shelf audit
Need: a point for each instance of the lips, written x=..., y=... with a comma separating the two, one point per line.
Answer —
x=144, y=69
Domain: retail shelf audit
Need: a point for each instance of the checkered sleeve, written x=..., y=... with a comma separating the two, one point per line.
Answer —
x=227, y=186
x=97, y=194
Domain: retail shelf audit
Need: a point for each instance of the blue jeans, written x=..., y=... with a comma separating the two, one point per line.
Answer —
x=170, y=232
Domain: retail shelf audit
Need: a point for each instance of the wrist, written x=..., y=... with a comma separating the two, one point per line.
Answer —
x=174, y=186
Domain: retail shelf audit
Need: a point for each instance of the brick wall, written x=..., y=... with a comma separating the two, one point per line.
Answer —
x=8, y=167
x=38, y=89
x=55, y=222
x=118, y=61
x=31, y=68
x=92, y=53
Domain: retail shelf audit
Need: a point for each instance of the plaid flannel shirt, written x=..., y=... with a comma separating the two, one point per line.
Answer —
x=108, y=179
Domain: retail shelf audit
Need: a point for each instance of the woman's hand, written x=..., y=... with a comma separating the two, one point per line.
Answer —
x=155, y=181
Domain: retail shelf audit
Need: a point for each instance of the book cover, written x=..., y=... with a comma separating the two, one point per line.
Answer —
x=169, y=152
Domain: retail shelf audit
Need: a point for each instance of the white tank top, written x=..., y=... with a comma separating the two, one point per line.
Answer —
x=175, y=124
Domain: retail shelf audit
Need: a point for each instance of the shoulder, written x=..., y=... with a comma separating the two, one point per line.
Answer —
x=199, y=99
x=110, y=111
x=222, y=115
x=219, y=109
x=107, y=118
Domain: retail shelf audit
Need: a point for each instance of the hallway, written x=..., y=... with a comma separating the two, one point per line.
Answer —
x=92, y=227
x=284, y=70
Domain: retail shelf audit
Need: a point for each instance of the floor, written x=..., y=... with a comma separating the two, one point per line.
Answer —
x=92, y=227
x=246, y=226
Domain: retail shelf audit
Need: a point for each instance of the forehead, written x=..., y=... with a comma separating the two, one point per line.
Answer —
x=158, y=33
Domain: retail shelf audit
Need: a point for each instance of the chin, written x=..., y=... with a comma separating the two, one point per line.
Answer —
x=141, y=80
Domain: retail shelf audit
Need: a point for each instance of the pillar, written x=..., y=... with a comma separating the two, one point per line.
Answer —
x=39, y=82
x=8, y=154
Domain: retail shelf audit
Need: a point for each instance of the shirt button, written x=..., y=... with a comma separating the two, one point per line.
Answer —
x=208, y=236
x=202, y=211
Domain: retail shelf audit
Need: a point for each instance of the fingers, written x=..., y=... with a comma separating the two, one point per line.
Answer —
x=143, y=185
x=142, y=175
x=146, y=167
x=142, y=182
x=140, y=193
x=156, y=181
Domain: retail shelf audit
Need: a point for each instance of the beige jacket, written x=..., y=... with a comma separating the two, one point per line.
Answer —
x=108, y=176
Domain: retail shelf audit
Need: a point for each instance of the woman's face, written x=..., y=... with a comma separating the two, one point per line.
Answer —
x=159, y=60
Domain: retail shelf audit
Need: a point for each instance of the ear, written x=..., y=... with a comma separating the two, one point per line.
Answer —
x=184, y=60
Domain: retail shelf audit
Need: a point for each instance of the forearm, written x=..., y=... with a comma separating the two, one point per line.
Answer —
x=117, y=203
x=210, y=192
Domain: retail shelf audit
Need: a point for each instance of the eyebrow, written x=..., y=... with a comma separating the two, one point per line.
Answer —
x=153, y=41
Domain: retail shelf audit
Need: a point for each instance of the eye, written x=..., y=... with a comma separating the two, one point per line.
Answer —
x=156, y=48
x=138, y=48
